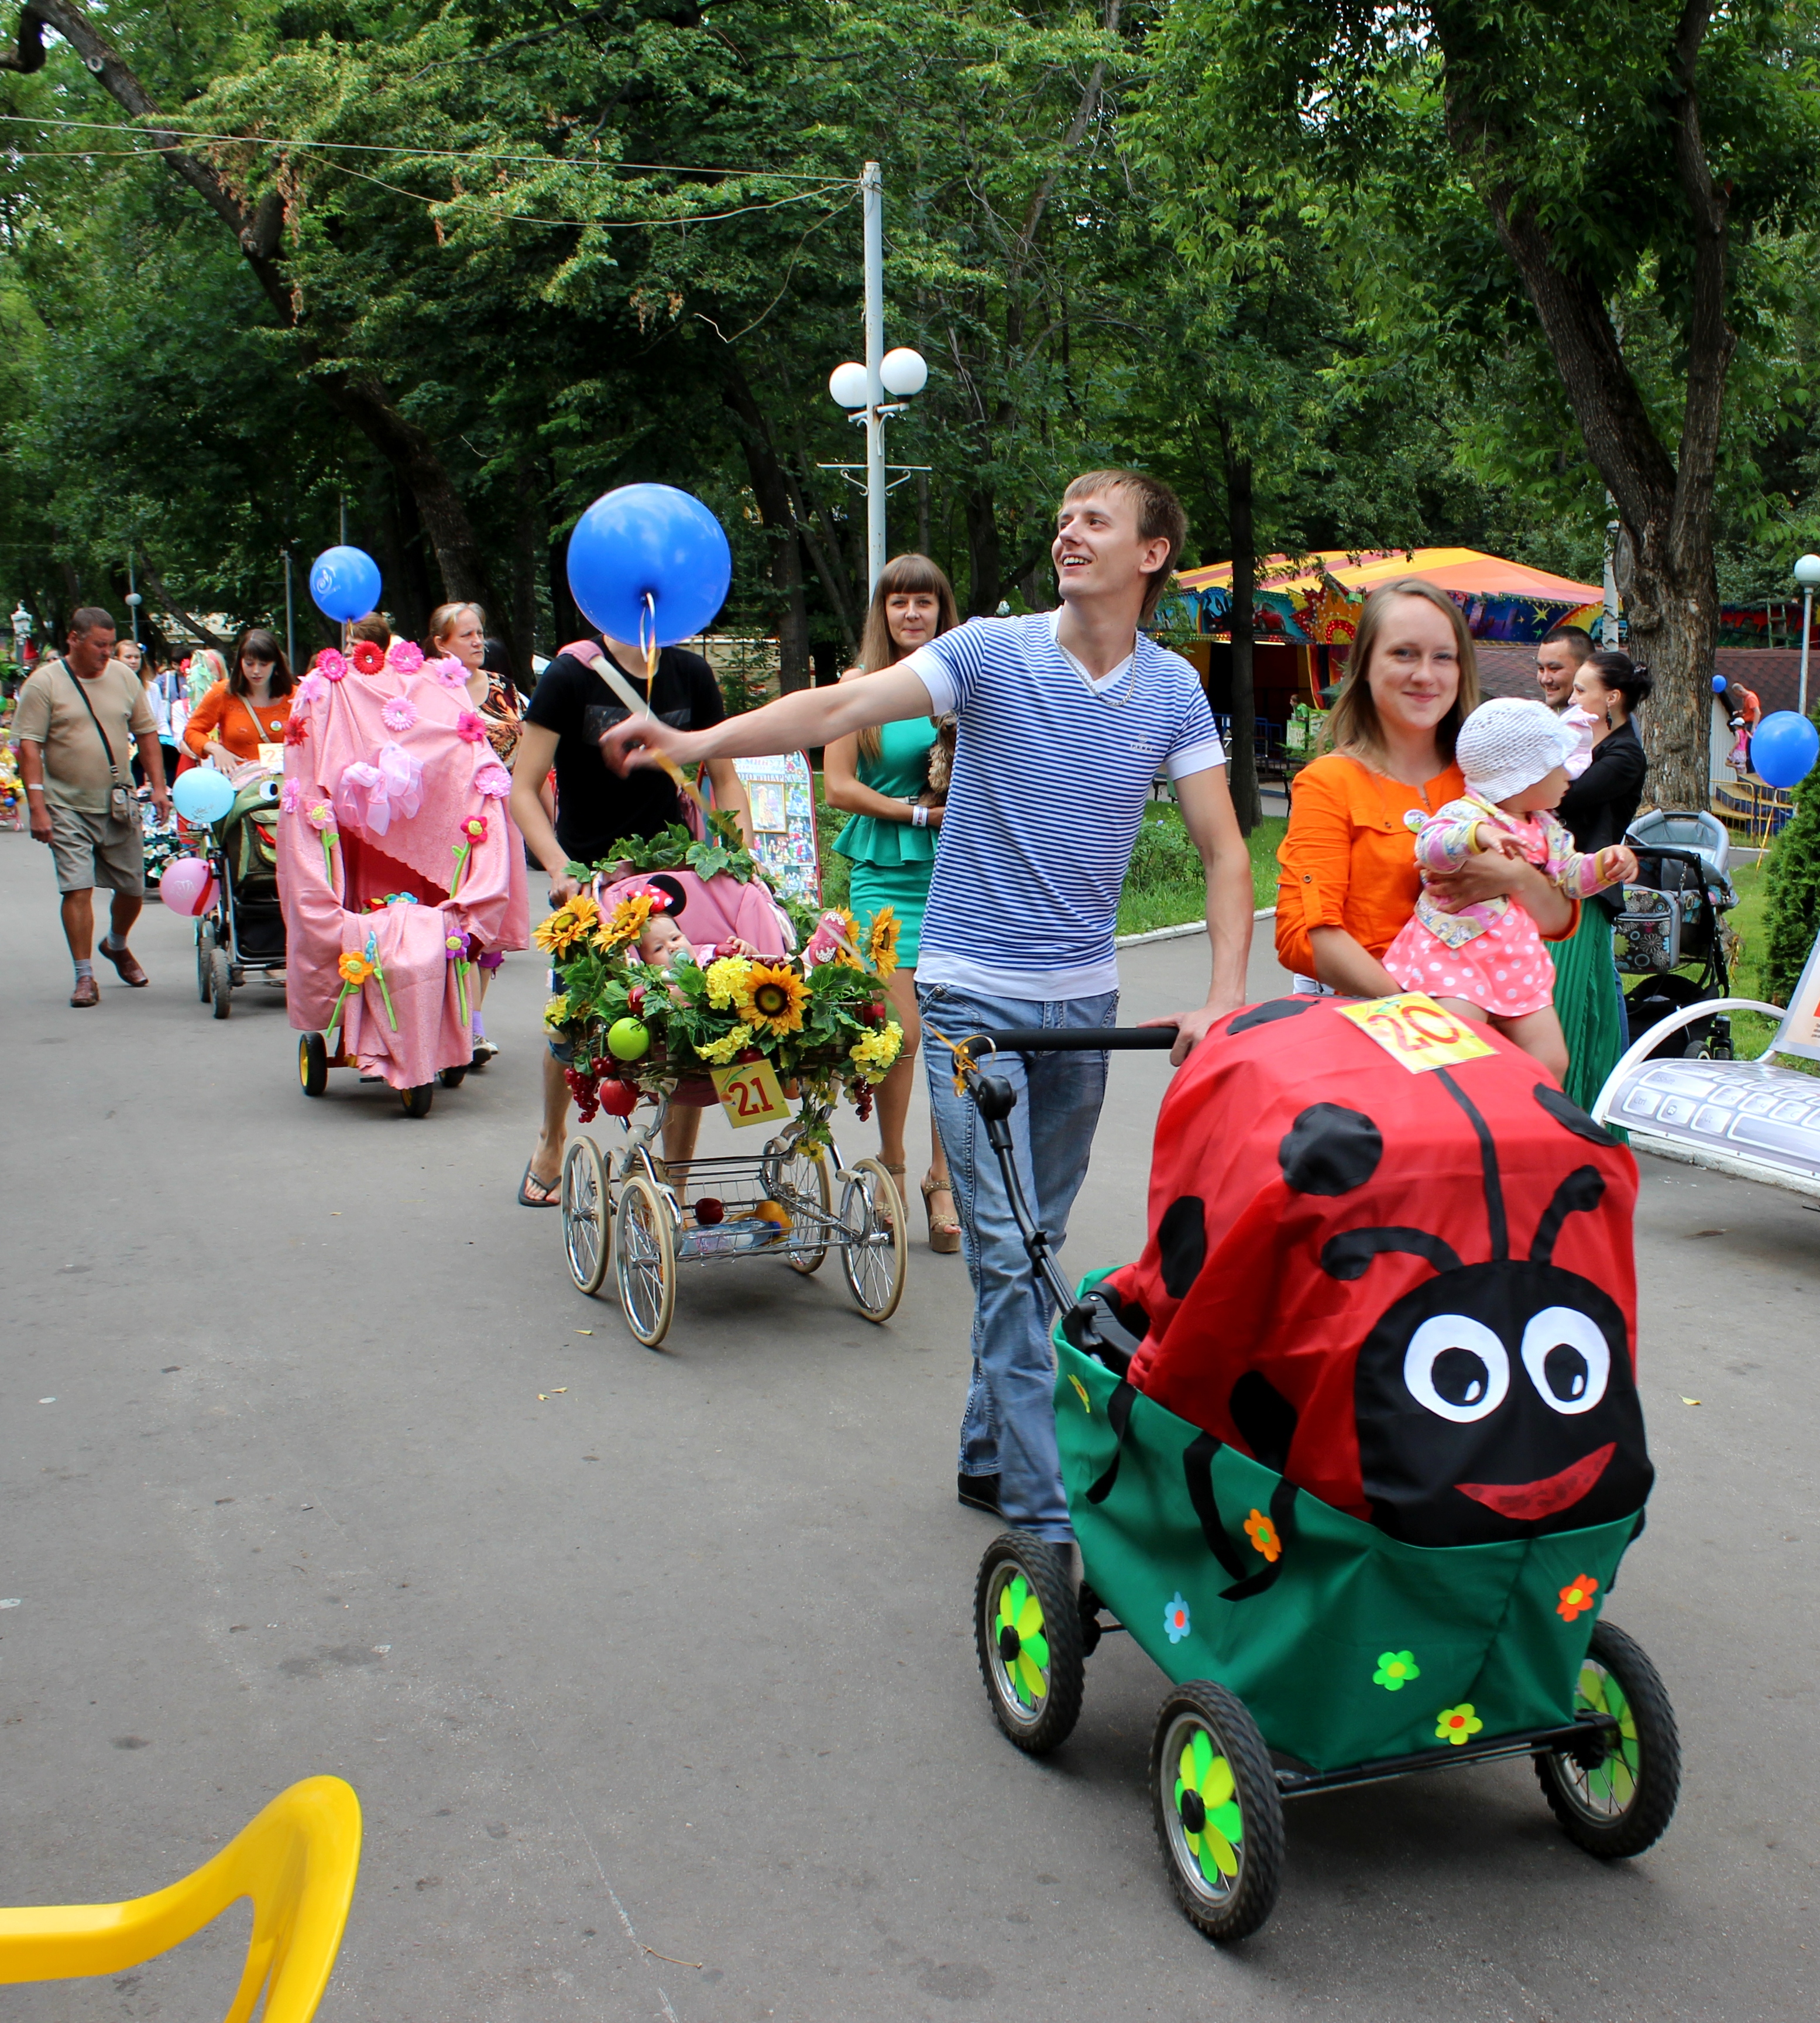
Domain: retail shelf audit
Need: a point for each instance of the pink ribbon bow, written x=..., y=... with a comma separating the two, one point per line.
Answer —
x=392, y=785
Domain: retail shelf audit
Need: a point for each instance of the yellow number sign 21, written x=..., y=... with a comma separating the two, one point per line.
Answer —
x=750, y=1093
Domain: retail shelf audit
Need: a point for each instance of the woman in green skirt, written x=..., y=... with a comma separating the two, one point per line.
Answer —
x=1597, y=809
x=882, y=778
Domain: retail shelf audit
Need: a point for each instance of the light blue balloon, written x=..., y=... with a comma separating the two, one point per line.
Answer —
x=1783, y=749
x=202, y=794
x=345, y=583
x=649, y=540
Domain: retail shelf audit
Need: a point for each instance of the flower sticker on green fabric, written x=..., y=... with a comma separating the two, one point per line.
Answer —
x=1262, y=1534
x=1023, y=1649
x=1175, y=1618
x=1576, y=1597
x=1457, y=1725
x=1086, y=1402
x=1395, y=1669
x=1205, y=1798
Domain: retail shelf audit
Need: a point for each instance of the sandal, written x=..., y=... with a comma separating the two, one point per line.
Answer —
x=551, y=1191
x=944, y=1231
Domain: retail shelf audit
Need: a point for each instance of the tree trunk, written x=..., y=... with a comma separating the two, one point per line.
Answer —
x=771, y=489
x=1241, y=746
x=983, y=557
x=358, y=397
x=1674, y=630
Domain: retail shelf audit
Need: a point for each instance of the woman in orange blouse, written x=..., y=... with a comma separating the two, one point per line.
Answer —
x=1349, y=879
x=249, y=709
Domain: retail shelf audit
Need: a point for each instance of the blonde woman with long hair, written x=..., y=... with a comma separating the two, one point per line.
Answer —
x=882, y=777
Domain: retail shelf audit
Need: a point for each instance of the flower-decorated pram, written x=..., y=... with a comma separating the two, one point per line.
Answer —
x=399, y=866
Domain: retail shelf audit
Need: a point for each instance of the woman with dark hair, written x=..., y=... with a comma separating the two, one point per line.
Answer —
x=1597, y=810
x=892, y=781
x=249, y=709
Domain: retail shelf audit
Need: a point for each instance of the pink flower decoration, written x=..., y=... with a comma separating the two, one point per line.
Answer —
x=399, y=715
x=331, y=663
x=290, y=799
x=494, y=781
x=321, y=817
x=470, y=726
x=474, y=828
x=448, y=671
x=406, y=656
x=456, y=946
x=312, y=688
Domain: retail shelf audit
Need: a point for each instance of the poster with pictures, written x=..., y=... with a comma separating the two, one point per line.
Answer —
x=781, y=792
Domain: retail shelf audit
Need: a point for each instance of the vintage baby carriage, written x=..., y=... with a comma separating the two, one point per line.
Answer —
x=642, y=1216
x=398, y=869
x=244, y=930
x=1674, y=919
x=1352, y=1451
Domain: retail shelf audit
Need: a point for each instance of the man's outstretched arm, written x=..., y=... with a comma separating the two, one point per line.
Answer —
x=810, y=716
x=1206, y=811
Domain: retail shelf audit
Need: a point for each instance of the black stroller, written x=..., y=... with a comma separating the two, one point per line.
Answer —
x=1674, y=920
x=245, y=930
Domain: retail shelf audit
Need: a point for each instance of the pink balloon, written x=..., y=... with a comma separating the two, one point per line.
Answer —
x=188, y=886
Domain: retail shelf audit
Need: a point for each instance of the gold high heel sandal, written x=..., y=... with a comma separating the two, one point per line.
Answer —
x=945, y=1236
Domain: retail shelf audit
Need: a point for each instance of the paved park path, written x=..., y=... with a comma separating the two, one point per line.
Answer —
x=654, y=1672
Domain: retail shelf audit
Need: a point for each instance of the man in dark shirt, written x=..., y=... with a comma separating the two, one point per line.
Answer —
x=563, y=721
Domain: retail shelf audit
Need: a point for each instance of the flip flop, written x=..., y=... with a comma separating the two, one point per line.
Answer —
x=552, y=1190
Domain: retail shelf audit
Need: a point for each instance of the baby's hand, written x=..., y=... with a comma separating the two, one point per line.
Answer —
x=1498, y=844
x=1618, y=865
x=733, y=946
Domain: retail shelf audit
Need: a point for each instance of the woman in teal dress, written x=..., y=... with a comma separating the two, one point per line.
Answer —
x=882, y=778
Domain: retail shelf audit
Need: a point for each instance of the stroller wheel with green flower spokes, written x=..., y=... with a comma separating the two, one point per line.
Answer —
x=1219, y=1818
x=1616, y=1798
x=1027, y=1633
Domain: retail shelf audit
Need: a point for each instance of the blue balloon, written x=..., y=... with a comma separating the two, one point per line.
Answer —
x=202, y=794
x=1783, y=749
x=344, y=583
x=1719, y=685
x=649, y=540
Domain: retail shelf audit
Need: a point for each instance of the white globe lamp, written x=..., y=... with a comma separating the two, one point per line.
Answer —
x=1808, y=571
x=847, y=384
x=903, y=372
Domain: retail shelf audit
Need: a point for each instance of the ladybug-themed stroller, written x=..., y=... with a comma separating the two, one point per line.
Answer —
x=398, y=869
x=1352, y=1450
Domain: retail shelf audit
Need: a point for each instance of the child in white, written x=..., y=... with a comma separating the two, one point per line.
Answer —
x=1487, y=961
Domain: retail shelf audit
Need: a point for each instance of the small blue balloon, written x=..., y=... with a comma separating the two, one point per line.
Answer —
x=344, y=583
x=1783, y=749
x=649, y=540
x=202, y=794
x=1719, y=684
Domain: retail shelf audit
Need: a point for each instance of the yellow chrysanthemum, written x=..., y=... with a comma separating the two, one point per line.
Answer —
x=773, y=999
x=877, y=1051
x=556, y=1013
x=721, y=1051
x=725, y=981
x=626, y=923
x=882, y=943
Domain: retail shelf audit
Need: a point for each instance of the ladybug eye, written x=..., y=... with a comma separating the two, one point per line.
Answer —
x=1568, y=1358
x=1456, y=1368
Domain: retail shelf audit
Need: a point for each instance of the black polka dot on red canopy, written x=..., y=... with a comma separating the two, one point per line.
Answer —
x=1181, y=1241
x=1566, y=1111
x=1330, y=1150
x=1268, y=1013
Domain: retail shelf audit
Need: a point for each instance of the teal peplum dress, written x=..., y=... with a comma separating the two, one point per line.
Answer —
x=893, y=862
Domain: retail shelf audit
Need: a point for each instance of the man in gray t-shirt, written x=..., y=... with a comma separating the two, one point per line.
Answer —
x=79, y=719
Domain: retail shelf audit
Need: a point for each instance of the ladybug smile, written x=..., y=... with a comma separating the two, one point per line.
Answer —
x=1526, y=1502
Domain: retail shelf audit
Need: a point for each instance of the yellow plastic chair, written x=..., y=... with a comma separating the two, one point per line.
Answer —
x=297, y=1861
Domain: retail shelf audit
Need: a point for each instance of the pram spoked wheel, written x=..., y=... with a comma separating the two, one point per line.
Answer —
x=1616, y=1801
x=312, y=1063
x=876, y=1252
x=587, y=1215
x=1027, y=1636
x=645, y=1245
x=1219, y=1818
x=802, y=1169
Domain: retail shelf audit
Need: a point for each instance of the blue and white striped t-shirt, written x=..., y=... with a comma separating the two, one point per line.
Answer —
x=1051, y=772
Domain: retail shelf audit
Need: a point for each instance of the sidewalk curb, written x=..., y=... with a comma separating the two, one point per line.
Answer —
x=1180, y=933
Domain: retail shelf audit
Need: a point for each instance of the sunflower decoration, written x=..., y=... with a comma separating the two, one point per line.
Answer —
x=882, y=943
x=570, y=923
x=626, y=922
x=773, y=999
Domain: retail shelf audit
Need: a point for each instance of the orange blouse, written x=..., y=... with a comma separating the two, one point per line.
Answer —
x=231, y=720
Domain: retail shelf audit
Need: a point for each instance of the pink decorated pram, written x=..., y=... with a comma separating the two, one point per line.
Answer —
x=398, y=869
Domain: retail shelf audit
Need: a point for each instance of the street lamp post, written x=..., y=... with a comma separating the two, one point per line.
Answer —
x=133, y=598
x=1807, y=575
x=289, y=618
x=862, y=388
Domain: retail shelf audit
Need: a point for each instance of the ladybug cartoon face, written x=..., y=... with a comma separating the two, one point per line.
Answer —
x=1495, y=1401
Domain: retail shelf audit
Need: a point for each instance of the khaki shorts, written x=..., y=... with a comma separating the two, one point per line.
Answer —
x=98, y=850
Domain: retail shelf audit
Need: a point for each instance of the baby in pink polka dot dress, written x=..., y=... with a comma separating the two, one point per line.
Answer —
x=1487, y=962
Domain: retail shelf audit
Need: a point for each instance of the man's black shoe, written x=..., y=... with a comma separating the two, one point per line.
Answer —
x=979, y=1492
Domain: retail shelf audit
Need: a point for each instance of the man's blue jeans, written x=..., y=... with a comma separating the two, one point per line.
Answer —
x=1008, y=1429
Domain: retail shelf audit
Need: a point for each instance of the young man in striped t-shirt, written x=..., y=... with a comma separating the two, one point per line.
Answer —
x=1066, y=719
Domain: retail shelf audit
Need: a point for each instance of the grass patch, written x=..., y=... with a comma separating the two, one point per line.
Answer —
x=1164, y=888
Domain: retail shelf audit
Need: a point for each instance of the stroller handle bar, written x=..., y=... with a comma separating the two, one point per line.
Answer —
x=1072, y=1040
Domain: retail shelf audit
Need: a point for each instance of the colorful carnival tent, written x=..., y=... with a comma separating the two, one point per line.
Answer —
x=1315, y=600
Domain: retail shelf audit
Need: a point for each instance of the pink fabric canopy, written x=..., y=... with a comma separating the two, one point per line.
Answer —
x=390, y=770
